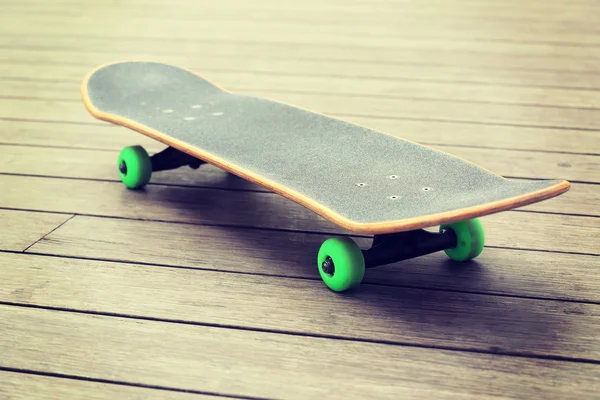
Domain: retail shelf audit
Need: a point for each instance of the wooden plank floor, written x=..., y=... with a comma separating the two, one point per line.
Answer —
x=205, y=285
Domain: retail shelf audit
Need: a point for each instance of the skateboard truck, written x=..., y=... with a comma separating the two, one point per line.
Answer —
x=171, y=158
x=394, y=247
x=136, y=166
x=342, y=263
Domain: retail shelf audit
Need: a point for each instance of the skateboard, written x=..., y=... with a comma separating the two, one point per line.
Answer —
x=365, y=181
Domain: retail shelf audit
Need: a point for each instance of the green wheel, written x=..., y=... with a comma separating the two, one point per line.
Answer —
x=470, y=239
x=135, y=168
x=341, y=264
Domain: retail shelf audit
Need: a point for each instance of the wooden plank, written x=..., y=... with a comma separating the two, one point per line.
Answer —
x=135, y=46
x=196, y=205
x=390, y=315
x=25, y=386
x=338, y=105
x=246, y=363
x=436, y=134
x=491, y=12
x=320, y=89
x=105, y=136
x=446, y=30
x=269, y=211
x=174, y=204
x=444, y=26
x=219, y=62
x=20, y=229
x=246, y=81
x=582, y=199
x=93, y=164
x=442, y=110
x=99, y=136
x=99, y=165
x=311, y=34
x=450, y=5
x=497, y=270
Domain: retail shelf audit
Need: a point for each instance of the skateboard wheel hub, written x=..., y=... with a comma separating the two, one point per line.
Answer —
x=341, y=264
x=328, y=267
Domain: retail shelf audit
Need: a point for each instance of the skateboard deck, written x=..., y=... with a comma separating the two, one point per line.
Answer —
x=363, y=180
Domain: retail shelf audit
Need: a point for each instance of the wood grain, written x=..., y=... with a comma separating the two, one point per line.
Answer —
x=502, y=230
x=100, y=135
x=511, y=86
x=386, y=314
x=489, y=64
x=223, y=203
x=91, y=164
x=481, y=55
x=237, y=362
x=342, y=106
x=207, y=205
x=502, y=271
x=455, y=9
x=245, y=81
x=359, y=15
x=441, y=110
x=322, y=35
x=21, y=386
x=546, y=275
x=20, y=229
x=215, y=61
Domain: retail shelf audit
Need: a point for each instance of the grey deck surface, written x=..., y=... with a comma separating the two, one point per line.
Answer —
x=363, y=175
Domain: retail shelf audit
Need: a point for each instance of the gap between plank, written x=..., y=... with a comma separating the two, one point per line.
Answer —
x=163, y=39
x=344, y=60
x=415, y=98
x=55, y=228
x=50, y=121
x=458, y=121
x=306, y=278
x=310, y=335
x=466, y=146
x=346, y=115
x=306, y=22
x=344, y=95
x=232, y=190
x=317, y=75
x=121, y=383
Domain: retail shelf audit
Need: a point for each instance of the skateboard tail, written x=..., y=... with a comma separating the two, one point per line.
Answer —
x=426, y=221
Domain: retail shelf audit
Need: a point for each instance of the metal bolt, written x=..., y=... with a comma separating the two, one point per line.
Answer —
x=328, y=266
x=123, y=168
